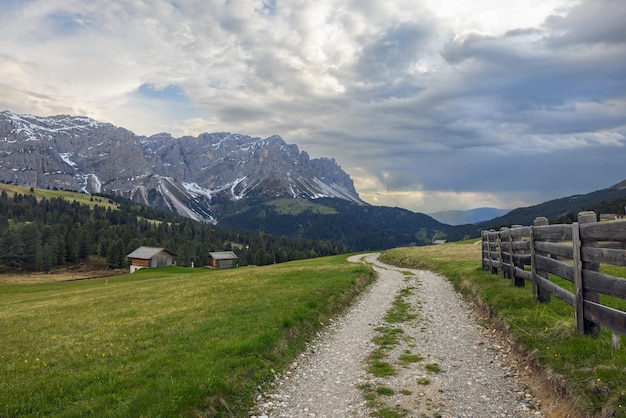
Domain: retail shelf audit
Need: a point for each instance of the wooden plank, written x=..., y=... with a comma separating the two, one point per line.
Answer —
x=553, y=266
x=494, y=255
x=521, y=232
x=604, y=231
x=522, y=259
x=606, y=316
x=604, y=283
x=552, y=248
x=565, y=295
x=603, y=255
x=524, y=274
x=520, y=246
x=516, y=233
x=615, y=245
x=557, y=233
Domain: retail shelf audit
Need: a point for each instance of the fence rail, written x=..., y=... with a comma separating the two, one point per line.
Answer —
x=573, y=252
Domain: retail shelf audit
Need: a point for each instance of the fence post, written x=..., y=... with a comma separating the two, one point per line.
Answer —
x=511, y=265
x=488, y=250
x=500, y=255
x=517, y=281
x=485, y=244
x=543, y=296
x=492, y=268
x=589, y=327
x=578, y=279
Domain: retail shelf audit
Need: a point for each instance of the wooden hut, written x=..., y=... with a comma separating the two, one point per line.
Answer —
x=148, y=257
x=222, y=259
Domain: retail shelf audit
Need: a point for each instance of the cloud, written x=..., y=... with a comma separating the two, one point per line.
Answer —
x=425, y=103
x=589, y=23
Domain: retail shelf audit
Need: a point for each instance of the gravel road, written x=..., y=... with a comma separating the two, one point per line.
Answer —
x=455, y=367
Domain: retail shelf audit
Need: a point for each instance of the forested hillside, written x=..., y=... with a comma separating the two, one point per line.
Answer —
x=563, y=210
x=39, y=234
x=360, y=227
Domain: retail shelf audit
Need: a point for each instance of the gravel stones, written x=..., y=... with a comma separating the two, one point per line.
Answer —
x=457, y=367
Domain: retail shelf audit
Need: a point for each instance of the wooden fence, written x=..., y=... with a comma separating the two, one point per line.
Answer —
x=573, y=252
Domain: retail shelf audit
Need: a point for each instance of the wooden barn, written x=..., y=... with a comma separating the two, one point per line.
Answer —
x=222, y=259
x=148, y=257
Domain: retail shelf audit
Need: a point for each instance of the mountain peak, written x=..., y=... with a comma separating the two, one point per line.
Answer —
x=194, y=176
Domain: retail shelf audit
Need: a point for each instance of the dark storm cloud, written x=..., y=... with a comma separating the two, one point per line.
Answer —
x=426, y=104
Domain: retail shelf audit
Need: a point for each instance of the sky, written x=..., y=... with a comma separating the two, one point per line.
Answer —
x=428, y=105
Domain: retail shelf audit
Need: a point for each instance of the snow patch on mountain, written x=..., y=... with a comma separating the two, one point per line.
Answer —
x=90, y=183
x=65, y=156
x=196, y=190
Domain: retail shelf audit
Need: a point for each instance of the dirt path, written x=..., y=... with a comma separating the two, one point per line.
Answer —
x=457, y=367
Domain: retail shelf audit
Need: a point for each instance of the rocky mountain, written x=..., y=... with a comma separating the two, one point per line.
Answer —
x=198, y=177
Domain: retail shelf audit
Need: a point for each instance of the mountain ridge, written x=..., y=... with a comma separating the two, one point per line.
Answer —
x=192, y=176
x=559, y=210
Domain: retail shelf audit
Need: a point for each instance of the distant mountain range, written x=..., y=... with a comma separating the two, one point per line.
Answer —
x=193, y=176
x=237, y=181
x=471, y=216
x=563, y=210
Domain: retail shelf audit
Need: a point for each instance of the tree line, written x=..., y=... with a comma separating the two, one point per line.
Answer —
x=615, y=206
x=41, y=234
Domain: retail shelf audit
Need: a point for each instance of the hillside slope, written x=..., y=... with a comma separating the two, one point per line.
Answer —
x=553, y=209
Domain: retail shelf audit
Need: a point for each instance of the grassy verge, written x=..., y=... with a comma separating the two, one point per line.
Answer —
x=592, y=370
x=163, y=342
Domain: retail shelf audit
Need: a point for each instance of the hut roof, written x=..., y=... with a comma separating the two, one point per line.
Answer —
x=146, y=253
x=223, y=255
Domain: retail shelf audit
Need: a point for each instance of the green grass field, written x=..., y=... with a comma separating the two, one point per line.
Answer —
x=163, y=342
x=197, y=342
x=594, y=372
x=82, y=198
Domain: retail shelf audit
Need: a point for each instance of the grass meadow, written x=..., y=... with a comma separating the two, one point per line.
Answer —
x=163, y=342
x=82, y=198
x=594, y=372
x=173, y=342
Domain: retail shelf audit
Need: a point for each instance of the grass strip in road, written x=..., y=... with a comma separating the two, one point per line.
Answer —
x=163, y=342
x=592, y=370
